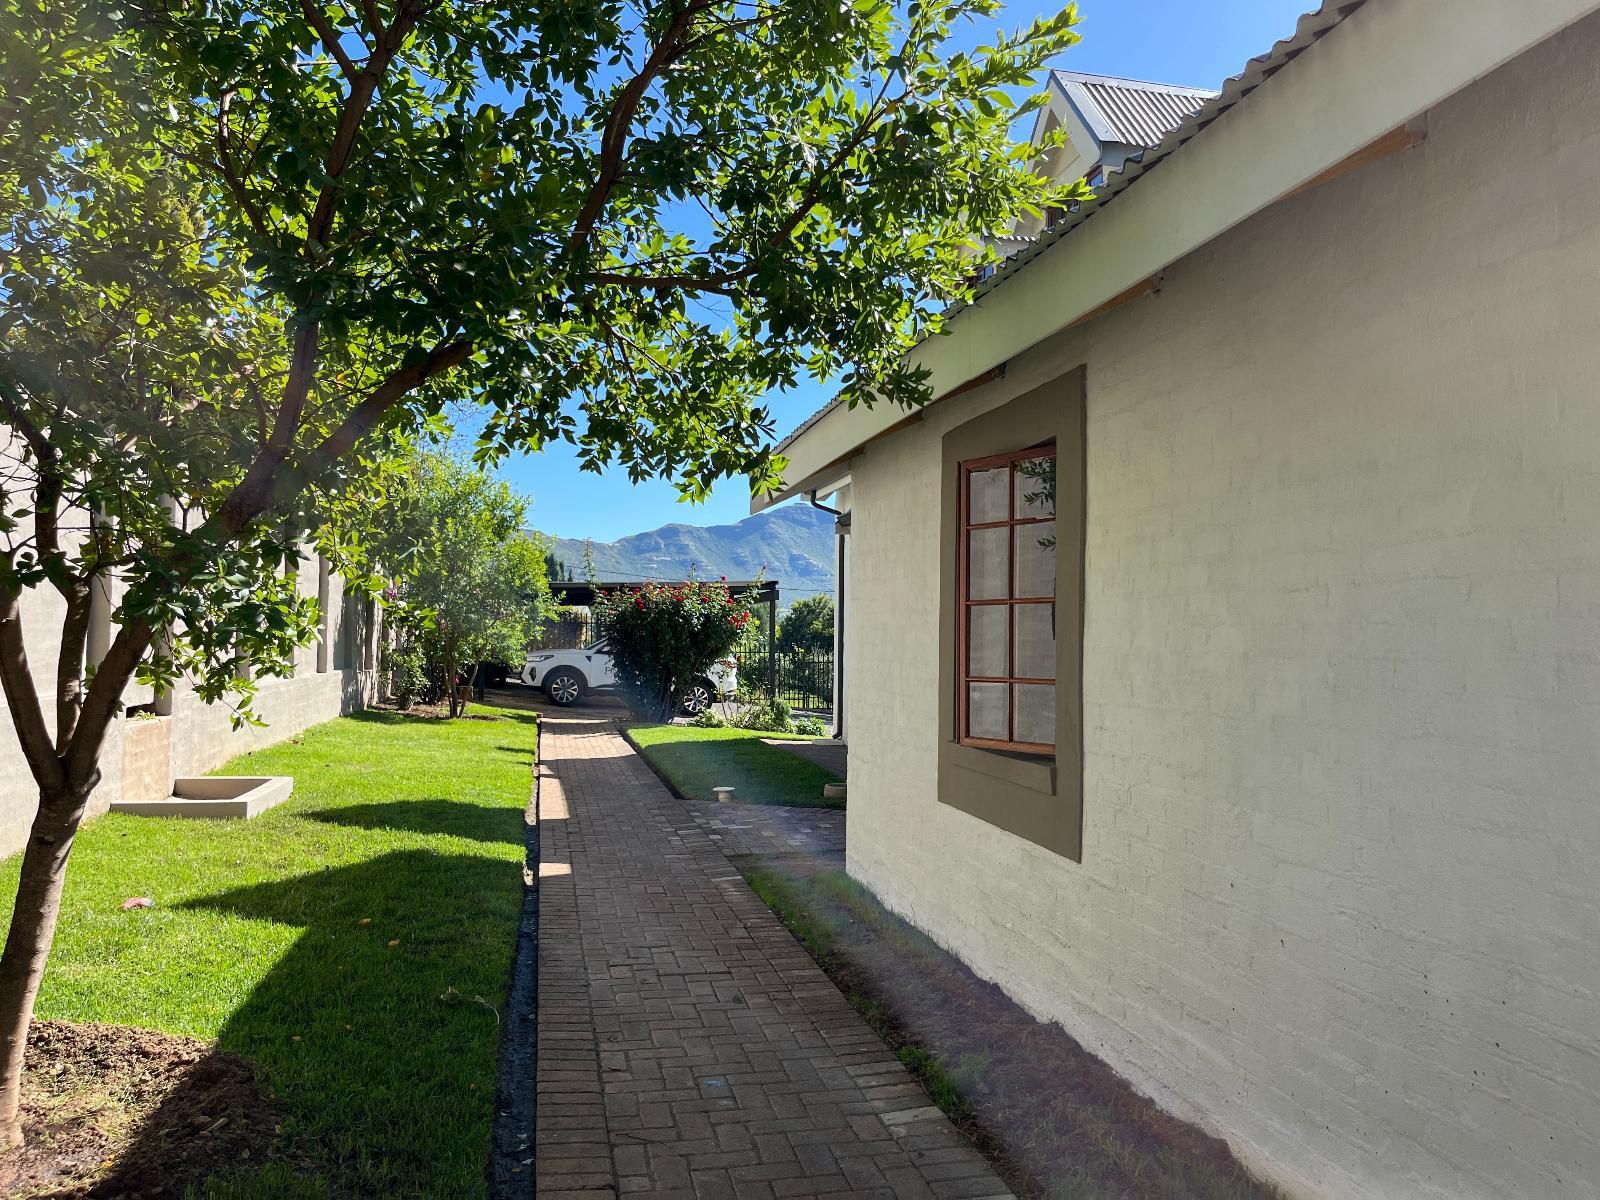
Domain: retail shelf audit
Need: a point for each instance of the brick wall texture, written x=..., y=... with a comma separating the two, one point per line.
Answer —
x=1341, y=672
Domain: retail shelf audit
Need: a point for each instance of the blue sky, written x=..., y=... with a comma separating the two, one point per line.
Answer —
x=1172, y=41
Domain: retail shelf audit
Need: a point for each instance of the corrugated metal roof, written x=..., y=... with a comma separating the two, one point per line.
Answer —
x=1130, y=111
x=1309, y=29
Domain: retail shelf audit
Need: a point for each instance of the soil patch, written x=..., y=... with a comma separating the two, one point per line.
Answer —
x=110, y=1111
x=1054, y=1119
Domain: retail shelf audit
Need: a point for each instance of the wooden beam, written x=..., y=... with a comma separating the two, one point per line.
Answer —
x=1145, y=287
x=1396, y=140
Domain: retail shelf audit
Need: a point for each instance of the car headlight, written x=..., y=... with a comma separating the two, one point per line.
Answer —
x=540, y=657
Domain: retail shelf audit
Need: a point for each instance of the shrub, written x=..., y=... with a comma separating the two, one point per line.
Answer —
x=665, y=636
x=770, y=716
x=810, y=726
x=708, y=719
x=405, y=673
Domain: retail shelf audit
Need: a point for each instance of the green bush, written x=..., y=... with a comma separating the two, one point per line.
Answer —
x=810, y=726
x=709, y=719
x=665, y=636
x=405, y=673
x=770, y=716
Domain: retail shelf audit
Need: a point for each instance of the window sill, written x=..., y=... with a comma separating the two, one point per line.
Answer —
x=1037, y=773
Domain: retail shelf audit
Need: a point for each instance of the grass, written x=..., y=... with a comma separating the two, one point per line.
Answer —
x=694, y=760
x=355, y=943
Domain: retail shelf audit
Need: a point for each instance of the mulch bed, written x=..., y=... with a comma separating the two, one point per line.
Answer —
x=113, y=1112
x=1053, y=1118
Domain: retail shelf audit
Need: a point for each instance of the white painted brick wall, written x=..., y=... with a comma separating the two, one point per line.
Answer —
x=1339, y=893
x=201, y=736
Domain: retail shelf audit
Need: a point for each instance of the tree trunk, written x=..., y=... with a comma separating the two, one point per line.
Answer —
x=453, y=688
x=33, y=923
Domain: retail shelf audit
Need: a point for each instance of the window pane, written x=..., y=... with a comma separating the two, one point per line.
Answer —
x=986, y=711
x=1035, y=641
x=1036, y=487
x=1036, y=713
x=986, y=496
x=987, y=568
x=986, y=640
x=1036, y=559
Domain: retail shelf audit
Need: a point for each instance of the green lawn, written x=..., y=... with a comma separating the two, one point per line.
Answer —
x=695, y=760
x=355, y=942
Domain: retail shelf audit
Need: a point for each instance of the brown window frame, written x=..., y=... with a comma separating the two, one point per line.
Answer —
x=1011, y=602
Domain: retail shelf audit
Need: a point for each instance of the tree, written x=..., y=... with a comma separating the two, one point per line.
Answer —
x=471, y=586
x=664, y=636
x=250, y=246
x=807, y=628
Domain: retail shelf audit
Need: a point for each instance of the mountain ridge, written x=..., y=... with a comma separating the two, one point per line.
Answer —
x=793, y=544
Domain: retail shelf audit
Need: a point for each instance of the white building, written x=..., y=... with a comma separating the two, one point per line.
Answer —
x=1223, y=643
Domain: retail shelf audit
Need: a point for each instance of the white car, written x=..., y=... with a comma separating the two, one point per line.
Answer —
x=565, y=675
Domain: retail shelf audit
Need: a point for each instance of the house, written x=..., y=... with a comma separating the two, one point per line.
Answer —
x=160, y=737
x=1103, y=121
x=1224, y=637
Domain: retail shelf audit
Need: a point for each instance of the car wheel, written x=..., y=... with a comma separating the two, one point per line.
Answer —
x=564, y=687
x=699, y=697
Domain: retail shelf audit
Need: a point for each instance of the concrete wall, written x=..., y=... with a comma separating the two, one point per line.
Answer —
x=1341, y=673
x=143, y=753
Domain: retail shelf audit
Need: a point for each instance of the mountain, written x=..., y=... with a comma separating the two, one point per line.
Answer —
x=794, y=543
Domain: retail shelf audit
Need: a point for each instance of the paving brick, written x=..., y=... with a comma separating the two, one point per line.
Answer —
x=688, y=1046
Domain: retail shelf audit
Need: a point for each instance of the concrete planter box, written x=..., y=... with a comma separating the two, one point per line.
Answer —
x=214, y=796
x=147, y=759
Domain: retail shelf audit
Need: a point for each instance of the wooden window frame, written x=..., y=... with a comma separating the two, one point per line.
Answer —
x=1010, y=602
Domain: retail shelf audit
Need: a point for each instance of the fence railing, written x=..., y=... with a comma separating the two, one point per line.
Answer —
x=805, y=681
x=564, y=635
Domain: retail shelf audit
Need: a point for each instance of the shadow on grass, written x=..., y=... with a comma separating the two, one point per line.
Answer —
x=376, y=1033
x=758, y=773
x=450, y=817
x=388, y=716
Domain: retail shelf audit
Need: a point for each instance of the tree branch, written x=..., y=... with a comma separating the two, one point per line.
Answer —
x=700, y=283
x=230, y=174
x=614, y=140
x=271, y=481
x=100, y=703
x=365, y=416
x=23, y=699
x=329, y=36
x=69, y=661
x=369, y=9
x=47, y=489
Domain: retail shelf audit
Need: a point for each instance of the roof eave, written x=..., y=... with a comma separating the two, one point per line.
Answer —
x=1388, y=63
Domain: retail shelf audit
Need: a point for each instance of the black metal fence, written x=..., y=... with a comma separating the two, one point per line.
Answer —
x=805, y=681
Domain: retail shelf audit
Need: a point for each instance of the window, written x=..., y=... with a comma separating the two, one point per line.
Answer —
x=1007, y=598
x=1011, y=559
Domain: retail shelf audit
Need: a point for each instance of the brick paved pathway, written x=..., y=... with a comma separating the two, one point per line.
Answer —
x=773, y=831
x=688, y=1046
